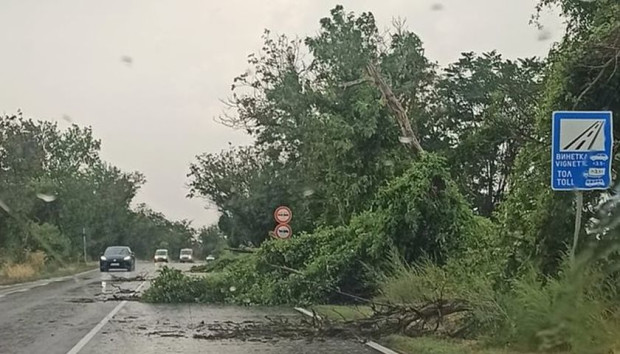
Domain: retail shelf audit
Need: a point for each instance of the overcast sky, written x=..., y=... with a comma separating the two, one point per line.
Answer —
x=63, y=58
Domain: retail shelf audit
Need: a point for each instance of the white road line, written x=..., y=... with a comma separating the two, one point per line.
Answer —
x=374, y=345
x=38, y=283
x=76, y=348
x=14, y=292
x=378, y=347
x=43, y=282
x=306, y=312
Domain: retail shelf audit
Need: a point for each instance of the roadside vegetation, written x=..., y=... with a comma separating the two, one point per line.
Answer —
x=449, y=228
x=35, y=267
x=55, y=189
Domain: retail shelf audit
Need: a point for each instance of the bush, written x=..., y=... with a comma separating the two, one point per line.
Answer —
x=172, y=286
x=420, y=213
x=48, y=237
x=36, y=260
x=18, y=272
x=573, y=312
x=218, y=265
x=427, y=282
x=34, y=263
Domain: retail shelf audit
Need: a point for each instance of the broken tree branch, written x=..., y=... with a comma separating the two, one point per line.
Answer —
x=408, y=136
x=598, y=77
x=346, y=85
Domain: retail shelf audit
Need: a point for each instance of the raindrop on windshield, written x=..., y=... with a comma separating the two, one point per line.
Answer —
x=127, y=60
x=46, y=197
x=437, y=6
x=544, y=35
x=67, y=119
x=308, y=192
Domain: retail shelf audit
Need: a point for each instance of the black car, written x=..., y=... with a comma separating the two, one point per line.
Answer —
x=117, y=257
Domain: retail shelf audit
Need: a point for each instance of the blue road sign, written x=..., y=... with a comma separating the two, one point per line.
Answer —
x=581, y=150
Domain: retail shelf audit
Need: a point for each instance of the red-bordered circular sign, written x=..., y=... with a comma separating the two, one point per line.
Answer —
x=283, y=231
x=283, y=215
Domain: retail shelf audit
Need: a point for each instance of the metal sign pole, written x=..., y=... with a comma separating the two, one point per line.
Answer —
x=578, y=212
x=84, y=242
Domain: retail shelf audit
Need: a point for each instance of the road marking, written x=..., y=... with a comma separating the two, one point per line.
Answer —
x=76, y=348
x=37, y=283
x=14, y=292
x=306, y=312
x=378, y=347
x=374, y=345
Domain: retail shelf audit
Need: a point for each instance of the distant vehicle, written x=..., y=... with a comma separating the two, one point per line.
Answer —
x=161, y=255
x=117, y=257
x=186, y=255
x=210, y=258
x=599, y=157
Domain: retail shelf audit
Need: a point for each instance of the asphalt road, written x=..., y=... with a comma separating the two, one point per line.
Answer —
x=89, y=313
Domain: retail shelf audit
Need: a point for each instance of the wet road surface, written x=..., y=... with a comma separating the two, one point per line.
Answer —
x=86, y=314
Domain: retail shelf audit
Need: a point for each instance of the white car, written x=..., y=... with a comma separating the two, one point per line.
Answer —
x=186, y=255
x=161, y=255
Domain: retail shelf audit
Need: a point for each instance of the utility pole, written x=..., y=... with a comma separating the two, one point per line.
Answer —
x=84, y=242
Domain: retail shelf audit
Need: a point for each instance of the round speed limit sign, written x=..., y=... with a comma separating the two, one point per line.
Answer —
x=283, y=231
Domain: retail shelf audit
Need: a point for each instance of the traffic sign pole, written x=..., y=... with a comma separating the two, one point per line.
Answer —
x=578, y=212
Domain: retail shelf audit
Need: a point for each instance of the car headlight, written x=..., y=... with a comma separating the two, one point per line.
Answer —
x=103, y=258
x=127, y=258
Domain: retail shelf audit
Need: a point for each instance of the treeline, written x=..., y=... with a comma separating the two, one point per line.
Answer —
x=471, y=216
x=54, y=188
x=326, y=142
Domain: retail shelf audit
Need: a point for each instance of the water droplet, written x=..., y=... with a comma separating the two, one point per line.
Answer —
x=127, y=60
x=405, y=139
x=67, y=118
x=4, y=206
x=46, y=197
x=437, y=6
x=308, y=192
x=544, y=35
x=232, y=289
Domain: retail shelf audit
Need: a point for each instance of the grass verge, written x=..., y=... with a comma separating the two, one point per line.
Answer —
x=404, y=344
x=342, y=312
x=432, y=345
x=23, y=277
